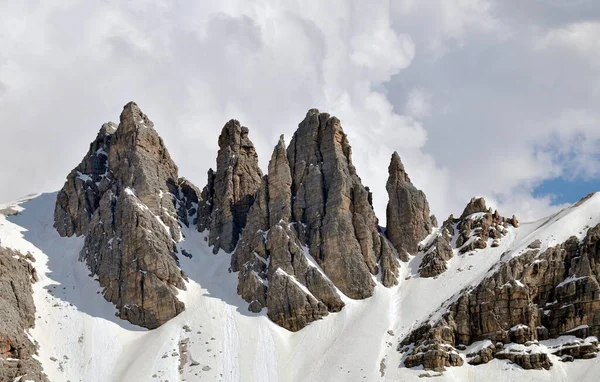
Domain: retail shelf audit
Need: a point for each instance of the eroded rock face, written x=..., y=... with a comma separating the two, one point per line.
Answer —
x=313, y=223
x=275, y=270
x=329, y=200
x=437, y=253
x=230, y=191
x=475, y=205
x=129, y=207
x=17, y=315
x=408, y=216
x=80, y=196
x=535, y=296
x=478, y=224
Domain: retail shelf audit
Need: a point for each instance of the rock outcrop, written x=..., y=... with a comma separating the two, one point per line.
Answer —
x=408, y=216
x=230, y=190
x=477, y=228
x=275, y=270
x=128, y=201
x=477, y=225
x=17, y=316
x=437, y=252
x=311, y=229
x=334, y=209
x=535, y=296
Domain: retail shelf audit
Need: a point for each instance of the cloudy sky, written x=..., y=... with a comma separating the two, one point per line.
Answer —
x=499, y=99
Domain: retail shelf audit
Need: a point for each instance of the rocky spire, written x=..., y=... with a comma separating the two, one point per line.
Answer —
x=127, y=199
x=80, y=196
x=329, y=200
x=280, y=184
x=230, y=190
x=311, y=229
x=408, y=215
x=274, y=269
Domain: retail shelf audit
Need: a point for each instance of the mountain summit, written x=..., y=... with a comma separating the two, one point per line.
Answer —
x=124, y=198
x=285, y=275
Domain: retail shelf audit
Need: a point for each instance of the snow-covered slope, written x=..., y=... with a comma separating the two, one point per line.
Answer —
x=81, y=339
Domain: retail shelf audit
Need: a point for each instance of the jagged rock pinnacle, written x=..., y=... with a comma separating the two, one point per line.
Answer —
x=127, y=199
x=231, y=188
x=408, y=215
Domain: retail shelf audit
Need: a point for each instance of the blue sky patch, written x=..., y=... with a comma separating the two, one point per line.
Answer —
x=566, y=190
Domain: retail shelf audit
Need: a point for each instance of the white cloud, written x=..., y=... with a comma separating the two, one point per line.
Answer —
x=580, y=36
x=442, y=22
x=418, y=104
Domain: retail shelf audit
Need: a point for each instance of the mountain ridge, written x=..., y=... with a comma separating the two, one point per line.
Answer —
x=290, y=247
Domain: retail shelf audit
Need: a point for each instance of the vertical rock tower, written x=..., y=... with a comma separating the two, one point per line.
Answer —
x=230, y=190
x=311, y=231
x=127, y=199
x=408, y=216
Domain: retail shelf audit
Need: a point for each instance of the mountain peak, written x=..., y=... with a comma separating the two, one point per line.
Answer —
x=231, y=189
x=132, y=117
x=396, y=169
x=475, y=205
x=408, y=215
x=126, y=199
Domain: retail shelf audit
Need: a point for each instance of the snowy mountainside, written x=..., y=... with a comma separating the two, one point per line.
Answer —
x=81, y=339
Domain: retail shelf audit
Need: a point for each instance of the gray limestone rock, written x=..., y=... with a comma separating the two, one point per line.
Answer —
x=129, y=205
x=312, y=221
x=274, y=270
x=475, y=205
x=17, y=316
x=408, y=216
x=333, y=208
x=478, y=224
x=230, y=191
x=436, y=254
x=534, y=296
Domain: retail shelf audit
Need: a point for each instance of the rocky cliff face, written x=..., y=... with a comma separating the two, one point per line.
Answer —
x=230, y=190
x=329, y=200
x=128, y=201
x=311, y=230
x=275, y=268
x=17, y=316
x=535, y=296
x=299, y=236
x=408, y=215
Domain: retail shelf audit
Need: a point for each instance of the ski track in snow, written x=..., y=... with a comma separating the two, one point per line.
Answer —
x=75, y=325
x=231, y=372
